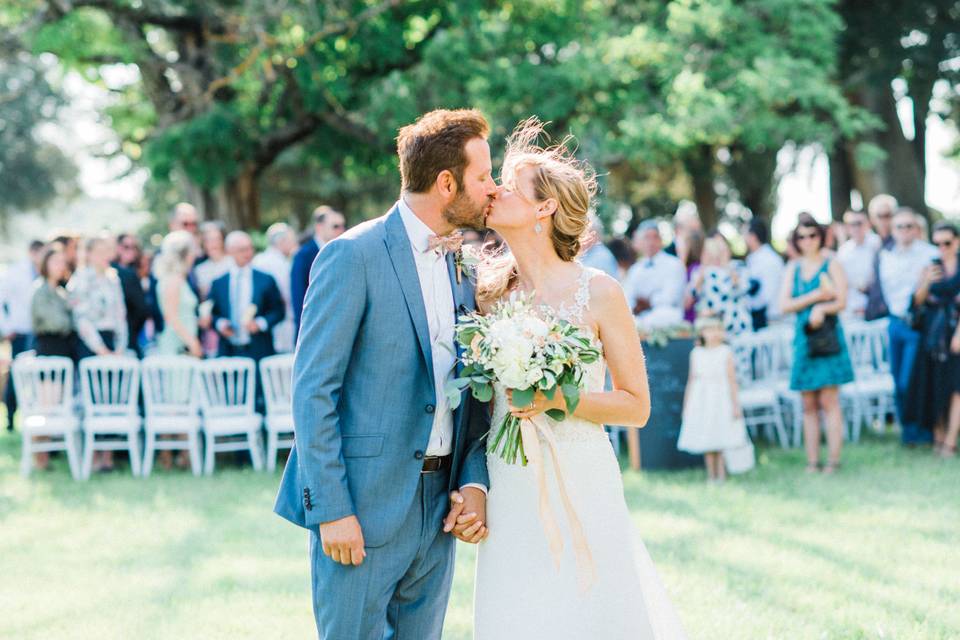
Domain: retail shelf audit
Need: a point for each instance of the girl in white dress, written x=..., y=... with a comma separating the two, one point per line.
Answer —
x=602, y=583
x=712, y=417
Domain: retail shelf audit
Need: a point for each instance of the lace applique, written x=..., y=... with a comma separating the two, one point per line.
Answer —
x=581, y=299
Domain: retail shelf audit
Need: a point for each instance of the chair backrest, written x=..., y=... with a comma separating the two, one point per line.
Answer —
x=110, y=385
x=227, y=386
x=755, y=358
x=44, y=385
x=170, y=386
x=873, y=348
x=276, y=375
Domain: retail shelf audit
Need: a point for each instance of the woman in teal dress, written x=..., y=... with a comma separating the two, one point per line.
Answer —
x=814, y=288
x=178, y=303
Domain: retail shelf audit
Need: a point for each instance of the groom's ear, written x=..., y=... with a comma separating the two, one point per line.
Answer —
x=446, y=184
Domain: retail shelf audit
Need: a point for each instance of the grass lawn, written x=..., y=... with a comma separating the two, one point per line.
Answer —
x=870, y=553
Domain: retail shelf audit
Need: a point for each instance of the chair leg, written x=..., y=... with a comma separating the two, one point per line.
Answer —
x=209, y=462
x=193, y=446
x=782, y=436
x=72, y=443
x=26, y=457
x=272, y=439
x=256, y=453
x=148, y=454
x=133, y=446
x=88, y=447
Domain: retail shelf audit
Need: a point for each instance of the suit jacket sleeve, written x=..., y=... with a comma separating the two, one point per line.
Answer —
x=332, y=315
x=274, y=309
x=474, y=469
x=219, y=311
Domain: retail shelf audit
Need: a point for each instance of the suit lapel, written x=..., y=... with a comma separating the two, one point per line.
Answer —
x=401, y=255
x=463, y=303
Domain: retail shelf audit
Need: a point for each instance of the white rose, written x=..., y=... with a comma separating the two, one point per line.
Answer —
x=534, y=376
x=535, y=327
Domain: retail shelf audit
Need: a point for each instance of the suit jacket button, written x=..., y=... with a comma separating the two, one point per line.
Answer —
x=418, y=455
x=430, y=408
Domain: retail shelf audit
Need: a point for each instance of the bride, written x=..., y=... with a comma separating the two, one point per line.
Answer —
x=602, y=583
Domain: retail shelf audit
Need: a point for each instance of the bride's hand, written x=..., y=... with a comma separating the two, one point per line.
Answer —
x=540, y=405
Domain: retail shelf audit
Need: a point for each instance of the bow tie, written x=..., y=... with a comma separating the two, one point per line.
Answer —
x=445, y=244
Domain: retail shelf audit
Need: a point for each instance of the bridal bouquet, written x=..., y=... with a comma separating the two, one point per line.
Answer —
x=524, y=348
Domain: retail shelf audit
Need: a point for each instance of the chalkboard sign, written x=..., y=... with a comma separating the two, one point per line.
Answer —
x=667, y=368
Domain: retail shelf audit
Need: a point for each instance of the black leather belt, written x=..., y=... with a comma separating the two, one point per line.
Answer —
x=436, y=463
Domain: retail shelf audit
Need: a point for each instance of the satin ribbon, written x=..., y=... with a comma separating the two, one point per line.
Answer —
x=586, y=571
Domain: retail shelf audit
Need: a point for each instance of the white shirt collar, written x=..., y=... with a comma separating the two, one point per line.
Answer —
x=417, y=230
x=240, y=271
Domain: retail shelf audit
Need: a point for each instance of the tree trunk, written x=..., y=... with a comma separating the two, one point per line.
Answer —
x=700, y=167
x=235, y=203
x=841, y=180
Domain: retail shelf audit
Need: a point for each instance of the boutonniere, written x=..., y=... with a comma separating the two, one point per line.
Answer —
x=465, y=261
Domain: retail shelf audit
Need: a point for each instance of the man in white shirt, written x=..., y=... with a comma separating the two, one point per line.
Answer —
x=16, y=324
x=857, y=256
x=900, y=269
x=276, y=260
x=654, y=285
x=765, y=267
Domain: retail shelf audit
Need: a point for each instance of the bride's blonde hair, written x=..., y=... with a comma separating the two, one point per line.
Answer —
x=558, y=175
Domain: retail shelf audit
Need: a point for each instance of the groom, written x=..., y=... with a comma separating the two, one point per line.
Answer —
x=383, y=471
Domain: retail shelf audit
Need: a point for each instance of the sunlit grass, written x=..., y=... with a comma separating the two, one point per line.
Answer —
x=870, y=553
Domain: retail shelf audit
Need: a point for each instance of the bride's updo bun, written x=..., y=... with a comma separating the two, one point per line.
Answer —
x=557, y=175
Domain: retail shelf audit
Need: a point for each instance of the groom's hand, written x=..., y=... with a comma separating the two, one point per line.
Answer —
x=343, y=541
x=468, y=515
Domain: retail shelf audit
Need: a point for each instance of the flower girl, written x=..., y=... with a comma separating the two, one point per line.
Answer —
x=712, y=417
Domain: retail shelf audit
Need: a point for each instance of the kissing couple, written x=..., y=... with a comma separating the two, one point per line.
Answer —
x=385, y=475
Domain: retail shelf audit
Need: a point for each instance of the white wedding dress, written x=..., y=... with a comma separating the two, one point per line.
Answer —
x=520, y=592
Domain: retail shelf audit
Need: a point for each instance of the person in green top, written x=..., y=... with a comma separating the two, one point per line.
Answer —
x=177, y=301
x=53, y=326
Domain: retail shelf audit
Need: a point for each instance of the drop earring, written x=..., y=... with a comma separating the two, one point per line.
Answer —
x=538, y=228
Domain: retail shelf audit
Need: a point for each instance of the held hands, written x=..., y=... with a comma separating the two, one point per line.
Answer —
x=252, y=326
x=827, y=290
x=817, y=316
x=342, y=540
x=540, y=405
x=468, y=513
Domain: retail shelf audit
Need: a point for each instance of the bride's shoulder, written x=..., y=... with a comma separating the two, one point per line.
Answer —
x=604, y=289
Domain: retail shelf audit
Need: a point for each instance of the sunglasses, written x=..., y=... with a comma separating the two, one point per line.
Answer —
x=855, y=223
x=188, y=223
x=337, y=226
x=807, y=236
x=944, y=243
x=905, y=227
x=884, y=216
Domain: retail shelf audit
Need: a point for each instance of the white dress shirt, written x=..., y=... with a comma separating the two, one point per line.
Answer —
x=857, y=262
x=240, y=290
x=900, y=270
x=766, y=267
x=16, y=294
x=441, y=316
x=273, y=262
x=661, y=280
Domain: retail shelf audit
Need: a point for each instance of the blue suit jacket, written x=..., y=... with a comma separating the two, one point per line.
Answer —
x=363, y=392
x=300, y=278
x=270, y=307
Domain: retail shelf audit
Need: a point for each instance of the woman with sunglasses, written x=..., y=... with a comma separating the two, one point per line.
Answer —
x=815, y=289
x=934, y=401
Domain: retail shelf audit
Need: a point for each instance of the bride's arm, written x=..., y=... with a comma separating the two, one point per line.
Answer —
x=629, y=403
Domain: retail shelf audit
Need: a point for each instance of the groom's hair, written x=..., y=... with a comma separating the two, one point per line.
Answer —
x=435, y=143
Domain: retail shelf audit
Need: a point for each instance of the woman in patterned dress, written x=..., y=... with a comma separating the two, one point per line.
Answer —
x=815, y=287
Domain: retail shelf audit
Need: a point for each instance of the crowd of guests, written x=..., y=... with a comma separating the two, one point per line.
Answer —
x=207, y=293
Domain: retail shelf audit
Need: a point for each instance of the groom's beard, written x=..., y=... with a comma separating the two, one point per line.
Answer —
x=464, y=213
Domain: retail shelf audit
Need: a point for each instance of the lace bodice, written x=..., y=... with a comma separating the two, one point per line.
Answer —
x=594, y=376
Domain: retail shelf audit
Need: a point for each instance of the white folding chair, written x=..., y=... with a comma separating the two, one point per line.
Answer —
x=875, y=384
x=755, y=361
x=110, y=388
x=171, y=402
x=230, y=422
x=44, y=388
x=276, y=375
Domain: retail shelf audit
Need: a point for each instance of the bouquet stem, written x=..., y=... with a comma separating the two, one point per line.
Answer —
x=508, y=442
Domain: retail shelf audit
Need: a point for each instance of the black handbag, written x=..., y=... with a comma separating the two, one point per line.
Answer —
x=824, y=340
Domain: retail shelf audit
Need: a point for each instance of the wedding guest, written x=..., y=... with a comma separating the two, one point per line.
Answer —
x=685, y=221
x=184, y=217
x=247, y=304
x=814, y=287
x=881, y=210
x=276, y=260
x=624, y=254
x=154, y=322
x=857, y=256
x=712, y=416
x=765, y=269
x=177, y=300
x=128, y=251
x=654, y=285
x=328, y=223
x=935, y=378
x=691, y=263
x=16, y=289
x=722, y=284
x=217, y=262
x=96, y=297
x=900, y=269
x=594, y=253
x=70, y=242
x=134, y=301
x=51, y=317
